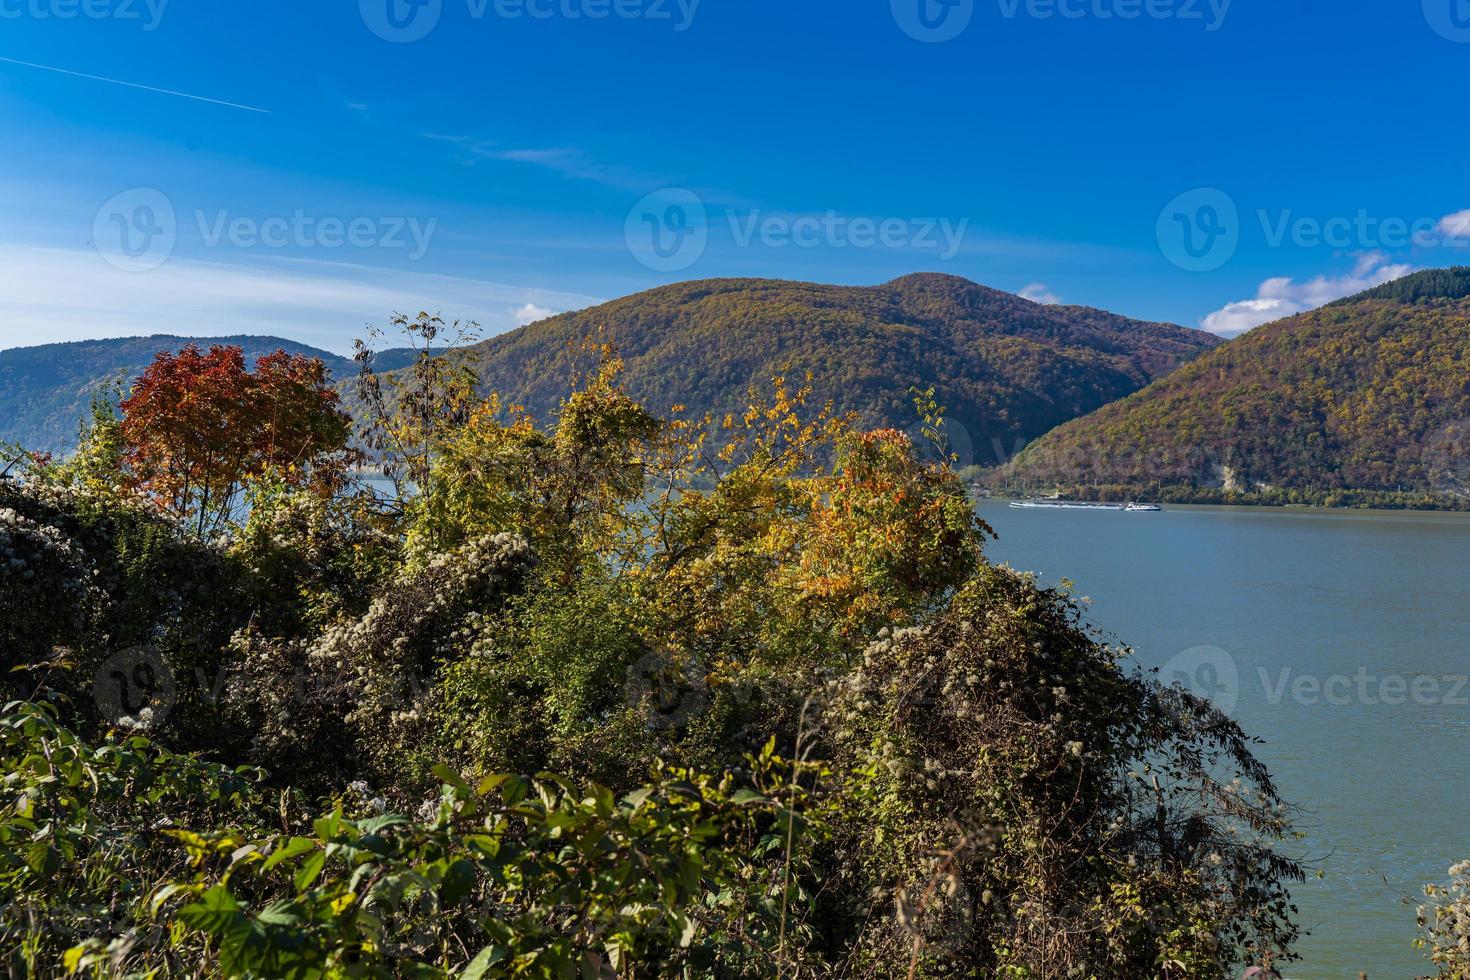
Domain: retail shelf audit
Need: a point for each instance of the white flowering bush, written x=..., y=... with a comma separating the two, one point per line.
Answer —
x=101, y=575
x=48, y=591
x=361, y=695
x=1031, y=808
x=1445, y=921
x=314, y=557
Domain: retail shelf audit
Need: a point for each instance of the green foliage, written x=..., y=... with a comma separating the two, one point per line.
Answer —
x=314, y=557
x=1452, y=284
x=975, y=785
x=82, y=831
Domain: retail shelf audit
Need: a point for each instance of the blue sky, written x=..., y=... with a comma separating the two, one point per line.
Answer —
x=525, y=156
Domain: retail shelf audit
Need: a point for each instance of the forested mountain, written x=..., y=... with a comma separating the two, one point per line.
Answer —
x=1004, y=368
x=1371, y=393
x=45, y=390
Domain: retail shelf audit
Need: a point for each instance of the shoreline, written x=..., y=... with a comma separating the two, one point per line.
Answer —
x=1005, y=499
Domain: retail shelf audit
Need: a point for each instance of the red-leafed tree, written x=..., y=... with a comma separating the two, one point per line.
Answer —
x=197, y=428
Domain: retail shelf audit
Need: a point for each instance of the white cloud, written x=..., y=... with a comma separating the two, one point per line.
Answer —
x=1456, y=227
x=565, y=160
x=50, y=295
x=1283, y=296
x=1037, y=292
x=530, y=313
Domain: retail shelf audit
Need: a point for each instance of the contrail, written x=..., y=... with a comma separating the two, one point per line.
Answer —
x=146, y=88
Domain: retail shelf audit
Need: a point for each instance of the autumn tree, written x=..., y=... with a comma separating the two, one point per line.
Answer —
x=199, y=427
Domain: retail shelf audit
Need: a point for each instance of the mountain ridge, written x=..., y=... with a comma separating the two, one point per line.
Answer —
x=1004, y=368
x=1370, y=395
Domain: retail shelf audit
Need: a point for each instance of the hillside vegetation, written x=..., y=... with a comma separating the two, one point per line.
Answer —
x=1005, y=369
x=1364, y=400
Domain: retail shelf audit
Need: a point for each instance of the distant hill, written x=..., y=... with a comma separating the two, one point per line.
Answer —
x=45, y=391
x=1006, y=369
x=1371, y=393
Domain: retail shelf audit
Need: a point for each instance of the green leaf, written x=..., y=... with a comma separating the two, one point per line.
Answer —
x=516, y=788
x=449, y=777
x=295, y=847
x=216, y=912
x=310, y=869
x=459, y=879
x=488, y=957
x=42, y=859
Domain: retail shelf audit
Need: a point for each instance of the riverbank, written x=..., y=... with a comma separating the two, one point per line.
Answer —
x=1209, y=496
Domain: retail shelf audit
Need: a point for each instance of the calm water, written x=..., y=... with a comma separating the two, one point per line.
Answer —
x=1343, y=639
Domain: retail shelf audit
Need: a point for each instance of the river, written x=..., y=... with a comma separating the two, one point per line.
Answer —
x=1341, y=638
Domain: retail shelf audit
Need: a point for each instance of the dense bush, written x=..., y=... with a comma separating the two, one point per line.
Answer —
x=1003, y=743
x=802, y=727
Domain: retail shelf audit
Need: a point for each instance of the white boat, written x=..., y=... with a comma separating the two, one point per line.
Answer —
x=1129, y=508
